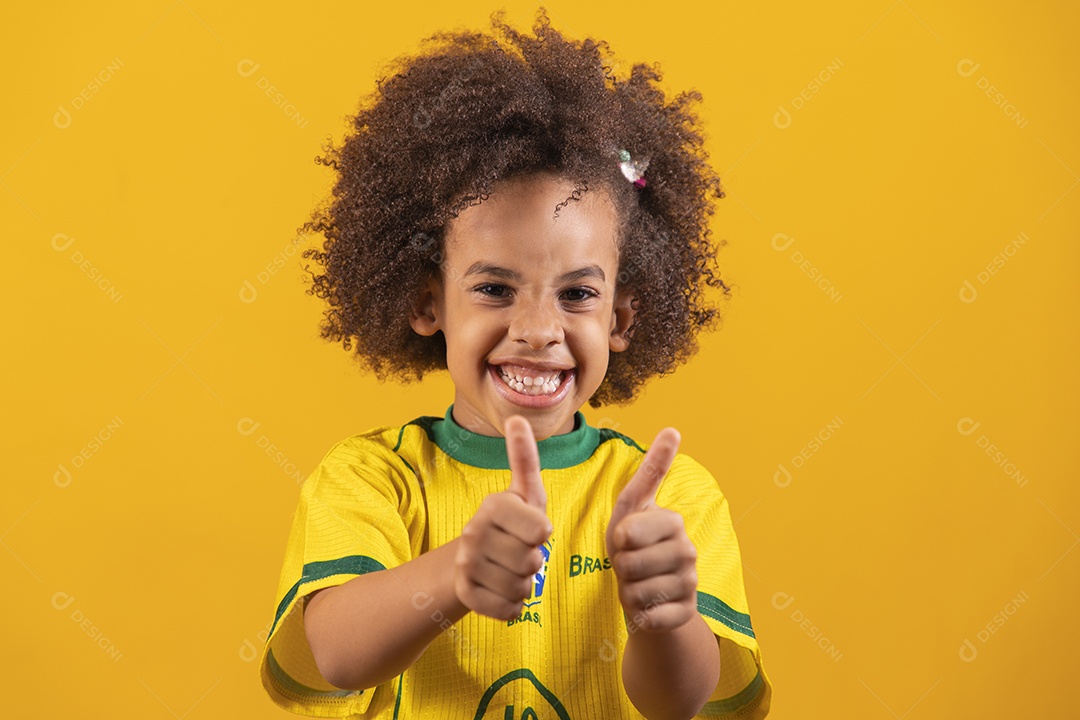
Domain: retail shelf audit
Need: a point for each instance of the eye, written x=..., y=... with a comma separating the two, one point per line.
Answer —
x=586, y=294
x=482, y=289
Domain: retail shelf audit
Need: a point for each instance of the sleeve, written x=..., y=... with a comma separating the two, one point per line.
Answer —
x=351, y=519
x=743, y=691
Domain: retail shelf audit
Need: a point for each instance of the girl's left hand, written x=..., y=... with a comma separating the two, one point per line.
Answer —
x=653, y=558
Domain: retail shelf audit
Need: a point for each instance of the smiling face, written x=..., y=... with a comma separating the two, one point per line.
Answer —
x=527, y=304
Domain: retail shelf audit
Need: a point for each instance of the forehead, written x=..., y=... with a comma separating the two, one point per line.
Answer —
x=515, y=228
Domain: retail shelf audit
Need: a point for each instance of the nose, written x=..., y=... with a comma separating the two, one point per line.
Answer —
x=537, y=323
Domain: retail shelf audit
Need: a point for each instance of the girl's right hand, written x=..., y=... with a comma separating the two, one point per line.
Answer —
x=498, y=554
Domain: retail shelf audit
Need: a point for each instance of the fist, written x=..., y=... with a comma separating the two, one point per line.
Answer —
x=499, y=550
x=653, y=558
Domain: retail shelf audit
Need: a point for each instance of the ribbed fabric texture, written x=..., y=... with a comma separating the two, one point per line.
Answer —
x=381, y=498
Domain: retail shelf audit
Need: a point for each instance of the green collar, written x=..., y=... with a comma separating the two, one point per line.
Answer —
x=486, y=451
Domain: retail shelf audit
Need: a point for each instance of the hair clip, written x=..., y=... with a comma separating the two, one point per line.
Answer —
x=634, y=171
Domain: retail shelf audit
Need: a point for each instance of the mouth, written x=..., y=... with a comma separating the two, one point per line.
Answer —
x=535, y=388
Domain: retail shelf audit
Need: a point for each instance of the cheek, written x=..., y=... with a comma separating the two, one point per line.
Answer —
x=592, y=342
x=474, y=341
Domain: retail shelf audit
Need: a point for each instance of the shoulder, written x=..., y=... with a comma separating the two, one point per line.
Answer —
x=683, y=465
x=382, y=442
x=377, y=455
x=688, y=481
x=360, y=448
x=686, y=475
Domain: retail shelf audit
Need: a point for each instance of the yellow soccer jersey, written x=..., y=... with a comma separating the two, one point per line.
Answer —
x=382, y=498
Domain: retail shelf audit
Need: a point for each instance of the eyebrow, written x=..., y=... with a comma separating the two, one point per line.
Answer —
x=482, y=268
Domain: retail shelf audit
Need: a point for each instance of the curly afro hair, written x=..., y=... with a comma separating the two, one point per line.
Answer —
x=473, y=109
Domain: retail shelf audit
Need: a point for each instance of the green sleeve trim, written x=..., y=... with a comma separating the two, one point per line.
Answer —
x=733, y=703
x=717, y=609
x=288, y=685
x=350, y=565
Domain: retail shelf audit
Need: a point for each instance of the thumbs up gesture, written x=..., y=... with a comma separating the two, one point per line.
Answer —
x=498, y=555
x=653, y=558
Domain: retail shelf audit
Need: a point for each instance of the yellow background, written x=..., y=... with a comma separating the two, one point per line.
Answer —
x=862, y=133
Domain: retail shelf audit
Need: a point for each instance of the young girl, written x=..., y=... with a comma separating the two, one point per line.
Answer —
x=510, y=210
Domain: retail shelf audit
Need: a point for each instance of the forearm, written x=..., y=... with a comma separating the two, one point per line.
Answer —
x=371, y=628
x=671, y=674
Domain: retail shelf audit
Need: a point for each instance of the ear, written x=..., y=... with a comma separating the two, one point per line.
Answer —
x=427, y=308
x=622, y=320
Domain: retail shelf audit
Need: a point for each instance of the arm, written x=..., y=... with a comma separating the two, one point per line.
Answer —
x=671, y=663
x=371, y=628
x=671, y=674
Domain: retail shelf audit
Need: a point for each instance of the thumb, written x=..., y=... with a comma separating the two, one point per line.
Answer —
x=525, y=480
x=640, y=492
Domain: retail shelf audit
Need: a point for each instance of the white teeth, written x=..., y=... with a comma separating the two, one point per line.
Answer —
x=527, y=385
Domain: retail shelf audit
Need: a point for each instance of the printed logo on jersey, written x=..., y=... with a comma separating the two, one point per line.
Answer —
x=586, y=564
x=519, y=695
x=530, y=611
